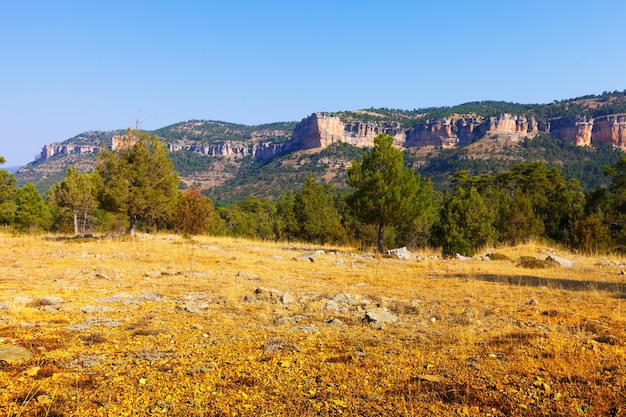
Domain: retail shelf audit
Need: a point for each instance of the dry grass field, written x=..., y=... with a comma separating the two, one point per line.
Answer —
x=160, y=325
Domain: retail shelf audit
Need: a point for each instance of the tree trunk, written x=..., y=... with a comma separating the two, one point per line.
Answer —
x=75, y=223
x=133, y=224
x=381, y=236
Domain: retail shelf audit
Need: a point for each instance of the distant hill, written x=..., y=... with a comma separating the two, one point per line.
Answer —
x=230, y=161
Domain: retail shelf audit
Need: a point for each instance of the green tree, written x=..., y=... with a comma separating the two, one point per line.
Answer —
x=7, y=195
x=193, y=212
x=31, y=211
x=287, y=226
x=76, y=194
x=591, y=234
x=465, y=223
x=138, y=179
x=386, y=193
x=316, y=215
x=251, y=218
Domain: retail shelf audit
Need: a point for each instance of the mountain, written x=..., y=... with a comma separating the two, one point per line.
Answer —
x=230, y=161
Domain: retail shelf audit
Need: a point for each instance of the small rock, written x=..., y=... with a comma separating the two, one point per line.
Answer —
x=380, y=316
x=309, y=256
x=430, y=378
x=401, y=253
x=14, y=353
x=331, y=305
x=334, y=321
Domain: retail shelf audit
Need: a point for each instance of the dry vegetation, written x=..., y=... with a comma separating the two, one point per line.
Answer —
x=159, y=325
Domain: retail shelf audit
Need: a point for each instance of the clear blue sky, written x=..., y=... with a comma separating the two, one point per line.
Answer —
x=71, y=66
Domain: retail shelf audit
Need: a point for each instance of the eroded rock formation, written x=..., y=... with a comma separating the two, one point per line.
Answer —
x=573, y=128
x=610, y=130
x=320, y=130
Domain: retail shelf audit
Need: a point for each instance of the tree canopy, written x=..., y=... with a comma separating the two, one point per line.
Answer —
x=385, y=192
x=139, y=180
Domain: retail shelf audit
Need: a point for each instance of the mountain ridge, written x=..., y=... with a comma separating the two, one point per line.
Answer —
x=210, y=153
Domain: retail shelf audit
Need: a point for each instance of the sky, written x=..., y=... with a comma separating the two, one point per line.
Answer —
x=67, y=67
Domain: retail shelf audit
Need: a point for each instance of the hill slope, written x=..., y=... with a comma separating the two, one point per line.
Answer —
x=231, y=161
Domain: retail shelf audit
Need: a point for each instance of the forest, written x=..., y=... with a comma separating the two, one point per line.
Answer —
x=387, y=204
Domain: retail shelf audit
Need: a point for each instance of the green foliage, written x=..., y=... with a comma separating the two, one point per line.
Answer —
x=187, y=163
x=316, y=216
x=591, y=234
x=7, y=195
x=74, y=196
x=465, y=223
x=139, y=180
x=205, y=132
x=251, y=218
x=386, y=193
x=31, y=211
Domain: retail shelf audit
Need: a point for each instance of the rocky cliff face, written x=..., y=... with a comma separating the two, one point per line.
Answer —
x=232, y=149
x=610, y=130
x=574, y=128
x=53, y=149
x=321, y=130
x=452, y=131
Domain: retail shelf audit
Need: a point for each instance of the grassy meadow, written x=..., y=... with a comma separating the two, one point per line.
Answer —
x=162, y=325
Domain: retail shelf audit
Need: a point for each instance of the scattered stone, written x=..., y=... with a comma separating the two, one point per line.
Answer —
x=275, y=345
x=13, y=353
x=345, y=299
x=334, y=321
x=430, y=378
x=401, y=253
x=380, y=316
x=306, y=328
x=332, y=305
x=96, y=309
x=287, y=298
x=310, y=256
x=195, y=308
x=86, y=361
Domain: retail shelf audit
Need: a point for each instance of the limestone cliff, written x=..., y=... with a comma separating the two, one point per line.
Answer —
x=458, y=130
x=322, y=129
x=577, y=129
x=610, y=130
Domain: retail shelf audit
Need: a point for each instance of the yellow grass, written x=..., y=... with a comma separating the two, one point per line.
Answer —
x=160, y=325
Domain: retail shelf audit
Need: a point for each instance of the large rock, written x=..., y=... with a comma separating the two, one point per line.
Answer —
x=378, y=316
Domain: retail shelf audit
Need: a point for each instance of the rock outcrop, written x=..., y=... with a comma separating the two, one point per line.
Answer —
x=322, y=129
x=577, y=129
x=53, y=149
x=451, y=131
x=610, y=130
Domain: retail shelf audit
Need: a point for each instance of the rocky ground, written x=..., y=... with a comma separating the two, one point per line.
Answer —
x=162, y=325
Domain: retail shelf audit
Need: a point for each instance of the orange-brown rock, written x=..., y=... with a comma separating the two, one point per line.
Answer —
x=610, y=130
x=321, y=130
x=576, y=129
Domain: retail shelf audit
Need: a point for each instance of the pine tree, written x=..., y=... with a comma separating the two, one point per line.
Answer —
x=386, y=193
x=75, y=194
x=315, y=212
x=31, y=211
x=138, y=180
